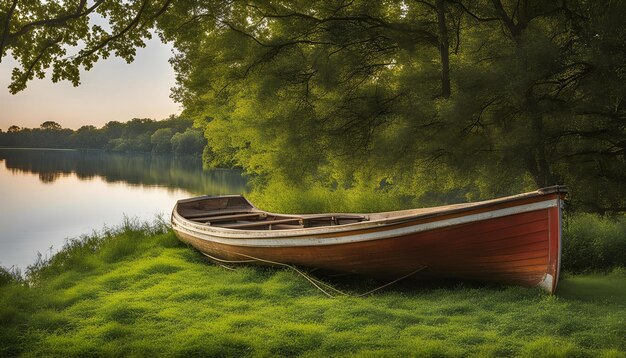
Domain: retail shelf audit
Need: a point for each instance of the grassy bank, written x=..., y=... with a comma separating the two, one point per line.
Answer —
x=138, y=291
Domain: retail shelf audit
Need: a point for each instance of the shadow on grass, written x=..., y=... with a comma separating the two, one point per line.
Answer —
x=598, y=287
x=356, y=285
x=594, y=288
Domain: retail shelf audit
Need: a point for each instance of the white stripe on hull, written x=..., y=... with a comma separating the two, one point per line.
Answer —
x=295, y=237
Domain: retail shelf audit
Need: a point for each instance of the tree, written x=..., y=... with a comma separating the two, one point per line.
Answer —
x=50, y=125
x=191, y=142
x=88, y=136
x=39, y=34
x=137, y=126
x=161, y=140
x=13, y=129
x=135, y=135
x=436, y=89
x=113, y=129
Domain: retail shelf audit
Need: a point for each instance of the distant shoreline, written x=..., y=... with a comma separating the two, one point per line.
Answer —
x=45, y=148
x=89, y=150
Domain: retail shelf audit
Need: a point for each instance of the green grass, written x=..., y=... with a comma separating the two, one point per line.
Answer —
x=137, y=291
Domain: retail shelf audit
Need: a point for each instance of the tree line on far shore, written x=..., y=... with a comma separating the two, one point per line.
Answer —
x=173, y=135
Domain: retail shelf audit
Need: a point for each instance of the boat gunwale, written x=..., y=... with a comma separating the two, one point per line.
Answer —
x=384, y=223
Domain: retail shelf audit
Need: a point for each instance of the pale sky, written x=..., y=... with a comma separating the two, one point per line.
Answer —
x=111, y=90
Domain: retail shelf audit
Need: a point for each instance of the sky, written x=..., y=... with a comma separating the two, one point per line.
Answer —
x=111, y=91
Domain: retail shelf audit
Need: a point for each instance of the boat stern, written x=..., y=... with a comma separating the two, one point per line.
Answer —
x=555, y=220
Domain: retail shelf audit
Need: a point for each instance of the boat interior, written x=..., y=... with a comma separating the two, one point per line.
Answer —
x=235, y=212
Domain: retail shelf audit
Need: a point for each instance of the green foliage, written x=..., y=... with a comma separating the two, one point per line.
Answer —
x=309, y=91
x=593, y=243
x=51, y=137
x=136, y=290
x=62, y=36
x=118, y=145
x=88, y=137
x=8, y=276
x=50, y=125
x=368, y=194
x=487, y=97
x=161, y=140
x=311, y=197
x=190, y=142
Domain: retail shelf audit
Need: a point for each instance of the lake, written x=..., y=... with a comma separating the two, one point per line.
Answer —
x=48, y=196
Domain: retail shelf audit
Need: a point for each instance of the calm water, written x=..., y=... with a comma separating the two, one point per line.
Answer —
x=47, y=196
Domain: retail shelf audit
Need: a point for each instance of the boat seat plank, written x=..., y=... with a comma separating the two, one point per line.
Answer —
x=235, y=217
x=260, y=223
x=213, y=213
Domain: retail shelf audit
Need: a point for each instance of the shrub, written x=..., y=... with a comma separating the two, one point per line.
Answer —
x=8, y=276
x=594, y=243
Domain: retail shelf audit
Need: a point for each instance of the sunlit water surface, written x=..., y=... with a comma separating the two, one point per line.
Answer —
x=48, y=196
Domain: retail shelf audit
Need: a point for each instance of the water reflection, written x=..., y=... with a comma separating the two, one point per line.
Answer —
x=51, y=195
x=135, y=169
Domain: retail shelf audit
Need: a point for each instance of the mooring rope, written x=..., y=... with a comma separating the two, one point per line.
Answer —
x=315, y=282
x=254, y=259
x=392, y=282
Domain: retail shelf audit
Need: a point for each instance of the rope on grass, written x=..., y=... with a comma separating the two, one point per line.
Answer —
x=311, y=280
x=227, y=261
x=392, y=282
x=315, y=282
x=221, y=262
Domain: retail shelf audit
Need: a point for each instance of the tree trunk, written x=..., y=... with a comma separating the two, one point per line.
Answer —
x=514, y=29
x=538, y=161
x=444, y=49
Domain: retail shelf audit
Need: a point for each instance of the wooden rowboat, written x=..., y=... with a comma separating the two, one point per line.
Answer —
x=511, y=240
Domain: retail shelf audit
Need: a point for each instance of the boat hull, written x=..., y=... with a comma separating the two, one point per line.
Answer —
x=516, y=242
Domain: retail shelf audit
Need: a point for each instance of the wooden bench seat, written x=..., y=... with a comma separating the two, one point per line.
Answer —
x=235, y=217
x=262, y=223
x=213, y=213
